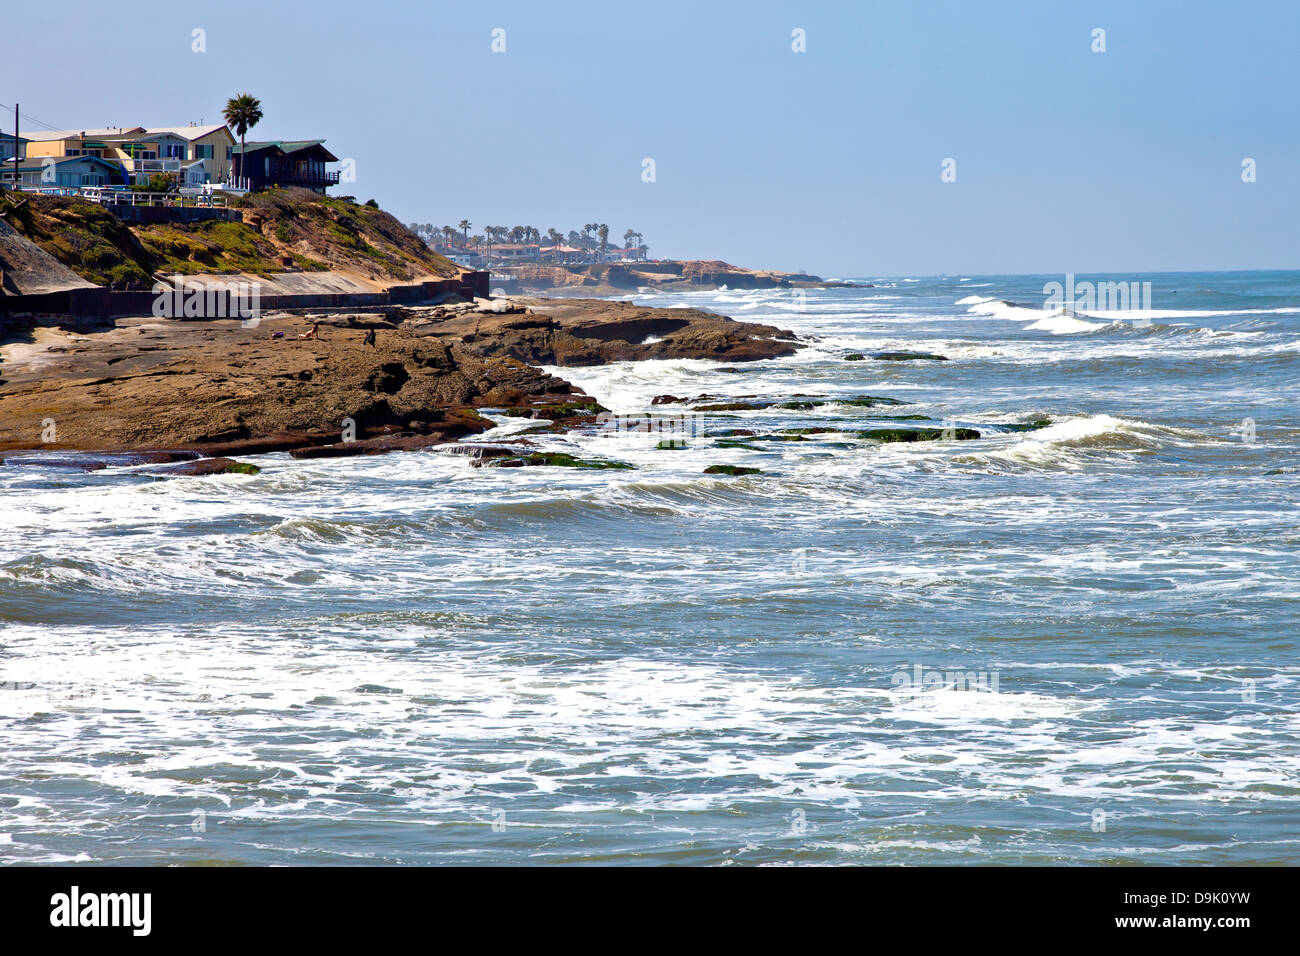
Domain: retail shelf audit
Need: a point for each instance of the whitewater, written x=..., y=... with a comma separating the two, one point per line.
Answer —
x=410, y=659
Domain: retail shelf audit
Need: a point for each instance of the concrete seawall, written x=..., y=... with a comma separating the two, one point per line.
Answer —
x=101, y=303
x=144, y=215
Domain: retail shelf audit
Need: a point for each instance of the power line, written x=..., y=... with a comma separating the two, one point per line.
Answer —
x=31, y=119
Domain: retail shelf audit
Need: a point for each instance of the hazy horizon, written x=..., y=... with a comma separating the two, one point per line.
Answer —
x=829, y=160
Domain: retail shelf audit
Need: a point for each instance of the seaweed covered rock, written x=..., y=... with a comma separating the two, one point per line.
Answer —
x=556, y=459
x=908, y=356
x=208, y=466
x=918, y=434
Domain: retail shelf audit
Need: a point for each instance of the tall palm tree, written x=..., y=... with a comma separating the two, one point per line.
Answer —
x=242, y=113
x=464, y=226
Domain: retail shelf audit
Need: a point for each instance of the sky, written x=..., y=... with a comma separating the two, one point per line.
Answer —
x=829, y=160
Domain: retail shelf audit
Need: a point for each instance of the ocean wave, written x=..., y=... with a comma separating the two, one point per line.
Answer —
x=1066, y=323
x=1079, y=442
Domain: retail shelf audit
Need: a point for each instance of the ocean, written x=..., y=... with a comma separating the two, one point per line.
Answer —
x=1068, y=644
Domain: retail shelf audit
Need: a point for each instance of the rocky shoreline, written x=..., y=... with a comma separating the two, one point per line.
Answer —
x=618, y=278
x=185, y=395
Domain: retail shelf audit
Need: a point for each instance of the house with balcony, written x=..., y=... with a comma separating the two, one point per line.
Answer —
x=212, y=148
x=281, y=162
x=561, y=255
x=193, y=155
x=514, y=252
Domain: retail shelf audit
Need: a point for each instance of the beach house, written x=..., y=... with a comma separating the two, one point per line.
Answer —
x=64, y=172
x=193, y=155
x=284, y=162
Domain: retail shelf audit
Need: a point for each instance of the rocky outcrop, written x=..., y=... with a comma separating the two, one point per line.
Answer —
x=592, y=332
x=217, y=388
x=551, y=277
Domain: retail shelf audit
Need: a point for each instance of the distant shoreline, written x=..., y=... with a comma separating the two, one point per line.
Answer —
x=668, y=275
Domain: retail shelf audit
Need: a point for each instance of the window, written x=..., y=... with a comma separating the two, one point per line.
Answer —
x=202, y=151
x=230, y=152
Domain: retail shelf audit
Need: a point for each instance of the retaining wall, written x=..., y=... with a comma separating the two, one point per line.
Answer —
x=100, y=303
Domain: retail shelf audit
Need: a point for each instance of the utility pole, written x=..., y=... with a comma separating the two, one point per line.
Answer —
x=15, y=147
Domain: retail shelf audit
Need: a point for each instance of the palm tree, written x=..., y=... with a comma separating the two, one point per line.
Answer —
x=464, y=226
x=242, y=113
x=602, y=230
x=628, y=237
x=555, y=236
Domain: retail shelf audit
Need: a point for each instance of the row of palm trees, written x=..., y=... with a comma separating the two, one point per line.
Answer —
x=244, y=111
x=594, y=235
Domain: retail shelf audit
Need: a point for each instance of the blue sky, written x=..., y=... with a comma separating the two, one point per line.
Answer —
x=828, y=160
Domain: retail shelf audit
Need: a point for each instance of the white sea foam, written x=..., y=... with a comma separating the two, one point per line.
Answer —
x=1062, y=323
x=415, y=640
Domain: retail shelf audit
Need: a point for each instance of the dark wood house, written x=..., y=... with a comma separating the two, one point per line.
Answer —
x=285, y=163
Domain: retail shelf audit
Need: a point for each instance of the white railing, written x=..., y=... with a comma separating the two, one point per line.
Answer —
x=130, y=197
x=154, y=165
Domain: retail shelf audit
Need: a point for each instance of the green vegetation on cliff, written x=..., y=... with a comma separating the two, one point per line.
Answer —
x=85, y=237
x=283, y=229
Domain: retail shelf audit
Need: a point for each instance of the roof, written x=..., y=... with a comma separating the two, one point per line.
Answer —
x=45, y=136
x=126, y=132
x=190, y=132
x=288, y=146
x=10, y=137
x=40, y=162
